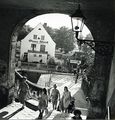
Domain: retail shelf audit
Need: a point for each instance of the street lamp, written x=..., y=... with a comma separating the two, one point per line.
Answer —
x=77, y=21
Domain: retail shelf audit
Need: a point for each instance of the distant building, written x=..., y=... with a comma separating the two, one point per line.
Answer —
x=37, y=46
x=75, y=59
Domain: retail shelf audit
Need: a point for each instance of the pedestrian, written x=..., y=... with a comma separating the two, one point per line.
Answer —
x=77, y=72
x=23, y=91
x=66, y=98
x=74, y=71
x=55, y=95
x=43, y=103
x=71, y=106
x=77, y=115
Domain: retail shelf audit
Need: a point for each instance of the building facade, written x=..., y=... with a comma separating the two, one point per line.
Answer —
x=37, y=46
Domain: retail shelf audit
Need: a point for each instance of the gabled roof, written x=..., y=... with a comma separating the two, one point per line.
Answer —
x=40, y=28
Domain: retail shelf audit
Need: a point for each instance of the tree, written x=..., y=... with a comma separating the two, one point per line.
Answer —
x=64, y=39
x=50, y=30
x=89, y=52
x=88, y=58
x=51, y=61
x=24, y=31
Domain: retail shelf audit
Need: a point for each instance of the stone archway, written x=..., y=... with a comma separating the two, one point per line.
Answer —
x=11, y=17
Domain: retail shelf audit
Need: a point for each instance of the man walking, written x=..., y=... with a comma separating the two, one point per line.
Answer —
x=54, y=96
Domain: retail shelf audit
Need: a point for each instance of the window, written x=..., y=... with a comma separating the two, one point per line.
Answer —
x=33, y=46
x=42, y=48
x=35, y=55
x=25, y=57
x=42, y=37
x=40, y=55
x=34, y=36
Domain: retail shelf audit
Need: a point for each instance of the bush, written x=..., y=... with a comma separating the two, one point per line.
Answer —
x=51, y=61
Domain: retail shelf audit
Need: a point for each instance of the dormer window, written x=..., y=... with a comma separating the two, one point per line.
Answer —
x=34, y=36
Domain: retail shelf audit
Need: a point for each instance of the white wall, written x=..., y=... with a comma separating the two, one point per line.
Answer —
x=33, y=58
x=48, y=42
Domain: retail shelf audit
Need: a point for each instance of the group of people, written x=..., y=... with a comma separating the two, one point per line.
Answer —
x=66, y=102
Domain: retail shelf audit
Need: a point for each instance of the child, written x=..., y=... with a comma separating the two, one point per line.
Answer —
x=77, y=115
x=71, y=106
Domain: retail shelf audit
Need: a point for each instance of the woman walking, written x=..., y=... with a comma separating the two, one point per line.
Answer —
x=66, y=98
x=43, y=103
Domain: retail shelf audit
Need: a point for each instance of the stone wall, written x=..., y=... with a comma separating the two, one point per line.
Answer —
x=9, y=19
x=99, y=23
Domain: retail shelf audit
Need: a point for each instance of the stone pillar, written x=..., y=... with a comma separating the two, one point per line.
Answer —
x=11, y=73
x=98, y=92
x=9, y=19
x=101, y=26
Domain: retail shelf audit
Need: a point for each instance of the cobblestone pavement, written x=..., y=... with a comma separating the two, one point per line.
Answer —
x=14, y=111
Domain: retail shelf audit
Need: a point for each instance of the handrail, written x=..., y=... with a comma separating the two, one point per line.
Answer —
x=33, y=84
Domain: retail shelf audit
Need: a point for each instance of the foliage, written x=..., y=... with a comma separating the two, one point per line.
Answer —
x=51, y=61
x=24, y=31
x=89, y=54
x=63, y=37
x=50, y=31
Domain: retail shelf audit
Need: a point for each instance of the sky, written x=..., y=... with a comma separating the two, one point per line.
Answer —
x=54, y=21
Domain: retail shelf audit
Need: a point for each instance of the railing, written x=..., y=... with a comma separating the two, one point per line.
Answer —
x=30, y=97
x=41, y=67
x=30, y=83
x=37, y=66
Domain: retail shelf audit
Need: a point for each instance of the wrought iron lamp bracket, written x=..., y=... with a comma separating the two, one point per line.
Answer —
x=101, y=47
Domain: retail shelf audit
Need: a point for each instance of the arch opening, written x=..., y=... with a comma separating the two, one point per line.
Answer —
x=60, y=59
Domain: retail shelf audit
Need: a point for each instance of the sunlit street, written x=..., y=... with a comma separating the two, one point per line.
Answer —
x=68, y=80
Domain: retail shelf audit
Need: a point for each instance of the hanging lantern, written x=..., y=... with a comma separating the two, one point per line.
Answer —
x=77, y=20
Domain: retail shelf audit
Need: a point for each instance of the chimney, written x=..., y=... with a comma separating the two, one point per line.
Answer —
x=45, y=25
